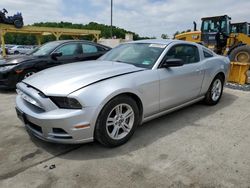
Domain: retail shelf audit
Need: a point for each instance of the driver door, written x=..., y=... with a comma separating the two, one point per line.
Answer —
x=70, y=53
x=181, y=84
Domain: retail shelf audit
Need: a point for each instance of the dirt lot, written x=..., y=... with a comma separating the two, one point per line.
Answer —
x=198, y=146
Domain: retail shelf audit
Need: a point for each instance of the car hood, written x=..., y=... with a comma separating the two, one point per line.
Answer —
x=16, y=60
x=65, y=79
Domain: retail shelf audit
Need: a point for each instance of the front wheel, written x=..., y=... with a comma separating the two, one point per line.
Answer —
x=117, y=121
x=27, y=73
x=215, y=91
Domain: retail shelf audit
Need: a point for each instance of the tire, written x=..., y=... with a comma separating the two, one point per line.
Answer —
x=18, y=23
x=214, y=93
x=104, y=130
x=241, y=54
x=25, y=74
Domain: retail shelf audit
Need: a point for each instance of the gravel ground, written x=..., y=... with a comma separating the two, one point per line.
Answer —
x=245, y=87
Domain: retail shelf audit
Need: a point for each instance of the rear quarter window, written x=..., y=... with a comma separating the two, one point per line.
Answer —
x=207, y=54
x=88, y=48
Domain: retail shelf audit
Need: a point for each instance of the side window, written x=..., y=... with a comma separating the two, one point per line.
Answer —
x=100, y=49
x=207, y=54
x=69, y=49
x=88, y=48
x=187, y=53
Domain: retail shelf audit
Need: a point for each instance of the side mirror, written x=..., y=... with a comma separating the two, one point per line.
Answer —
x=54, y=55
x=172, y=63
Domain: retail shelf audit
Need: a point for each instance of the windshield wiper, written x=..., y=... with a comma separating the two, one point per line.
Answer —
x=119, y=61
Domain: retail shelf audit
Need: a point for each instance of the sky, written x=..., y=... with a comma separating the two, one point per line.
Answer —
x=146, y=17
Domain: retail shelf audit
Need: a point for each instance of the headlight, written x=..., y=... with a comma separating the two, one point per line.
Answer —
x=8, y=67
x=14, y=61
x=66, y=103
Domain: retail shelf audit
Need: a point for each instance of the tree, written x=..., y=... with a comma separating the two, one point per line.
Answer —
x=105, y=32
x=176, y=33
x=164, y=36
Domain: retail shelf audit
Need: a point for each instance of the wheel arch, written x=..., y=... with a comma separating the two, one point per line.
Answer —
x=130, y=94
x=138, y=101
x=222, y=74
x=210, y=79
x=24, y=71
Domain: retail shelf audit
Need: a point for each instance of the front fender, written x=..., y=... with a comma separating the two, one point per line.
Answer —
x=99, y=94
x=143, y=84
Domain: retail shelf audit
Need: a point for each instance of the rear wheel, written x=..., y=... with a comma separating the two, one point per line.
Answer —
x=215, y=91
x=117, y=121
x=241, y=54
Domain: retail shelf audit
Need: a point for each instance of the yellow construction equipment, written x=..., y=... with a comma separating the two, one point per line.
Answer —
x=193, y=36
x=218, y=34
x=41, y=31
x=238, y=72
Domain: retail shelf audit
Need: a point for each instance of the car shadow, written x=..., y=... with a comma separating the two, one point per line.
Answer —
x=145, y=134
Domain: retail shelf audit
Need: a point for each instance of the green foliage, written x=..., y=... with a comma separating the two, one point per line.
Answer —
x=164, y=36
x=105, y=32
x=176, y=33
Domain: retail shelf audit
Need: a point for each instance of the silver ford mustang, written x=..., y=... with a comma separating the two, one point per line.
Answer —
x=106, y=99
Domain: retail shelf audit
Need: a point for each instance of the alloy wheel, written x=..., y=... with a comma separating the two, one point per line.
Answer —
x=120, y=121
x=28, y=74
x=216, y=89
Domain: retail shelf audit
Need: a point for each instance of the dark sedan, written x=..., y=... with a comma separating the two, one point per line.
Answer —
x=49, y=55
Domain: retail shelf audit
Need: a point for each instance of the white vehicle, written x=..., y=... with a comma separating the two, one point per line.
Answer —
x=20, y=49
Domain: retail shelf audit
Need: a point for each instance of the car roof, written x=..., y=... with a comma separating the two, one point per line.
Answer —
x=86, y=41
x=65, y=41
x=163, y=41
x=155, y=41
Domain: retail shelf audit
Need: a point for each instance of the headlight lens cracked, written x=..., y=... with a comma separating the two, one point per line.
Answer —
x=66, y=103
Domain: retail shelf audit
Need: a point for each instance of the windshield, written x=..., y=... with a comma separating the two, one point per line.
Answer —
x=214, y=25
x=139, y=54
x=45, y=49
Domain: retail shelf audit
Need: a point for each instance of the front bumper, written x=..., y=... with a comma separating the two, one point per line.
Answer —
x=8, y=80
x=57, y=125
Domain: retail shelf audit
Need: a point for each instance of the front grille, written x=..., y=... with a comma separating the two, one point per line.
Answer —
x=65, y=137
x=2, y=82
x=29, y=99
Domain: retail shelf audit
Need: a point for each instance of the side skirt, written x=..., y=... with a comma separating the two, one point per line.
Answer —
x=172, y=109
